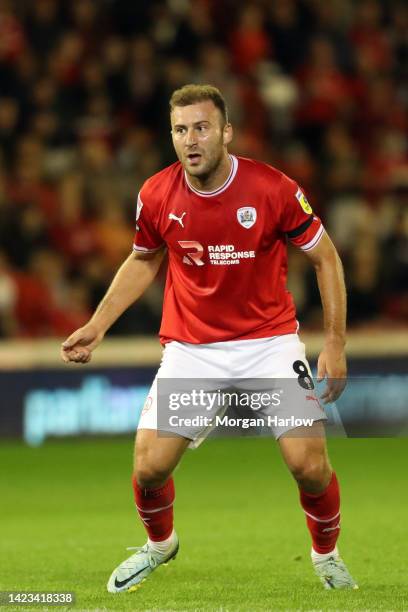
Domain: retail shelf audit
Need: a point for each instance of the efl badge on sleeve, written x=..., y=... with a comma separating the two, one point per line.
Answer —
x=301, y=198
x=246, y=216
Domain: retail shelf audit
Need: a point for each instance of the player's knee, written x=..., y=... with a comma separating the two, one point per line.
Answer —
x=311, y=472
x=150, y=476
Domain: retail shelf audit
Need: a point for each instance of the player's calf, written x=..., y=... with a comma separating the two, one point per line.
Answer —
x=155, y=508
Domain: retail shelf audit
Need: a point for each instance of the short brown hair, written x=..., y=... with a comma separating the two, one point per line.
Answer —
x=191, y=94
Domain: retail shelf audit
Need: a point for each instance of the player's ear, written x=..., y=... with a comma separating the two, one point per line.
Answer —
x=227, y=134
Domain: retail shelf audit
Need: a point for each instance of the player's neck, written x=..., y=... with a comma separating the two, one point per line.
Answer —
x=216, y=179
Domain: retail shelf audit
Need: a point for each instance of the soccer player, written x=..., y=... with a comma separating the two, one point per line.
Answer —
x=225, y=222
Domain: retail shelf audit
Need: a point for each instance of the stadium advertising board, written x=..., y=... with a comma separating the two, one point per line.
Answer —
x=57, y=403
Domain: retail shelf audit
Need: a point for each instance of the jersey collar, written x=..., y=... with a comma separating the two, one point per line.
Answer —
x=224, y=186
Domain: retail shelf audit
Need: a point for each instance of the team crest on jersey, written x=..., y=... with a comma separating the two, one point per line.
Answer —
x=301, y=198
x=246, y=216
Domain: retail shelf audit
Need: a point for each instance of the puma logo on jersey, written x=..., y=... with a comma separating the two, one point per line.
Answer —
x=173, y=217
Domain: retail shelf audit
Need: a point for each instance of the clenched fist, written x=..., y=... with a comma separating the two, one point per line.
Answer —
x=79, y=346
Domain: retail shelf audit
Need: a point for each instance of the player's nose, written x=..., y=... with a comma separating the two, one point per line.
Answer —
x=190, y=137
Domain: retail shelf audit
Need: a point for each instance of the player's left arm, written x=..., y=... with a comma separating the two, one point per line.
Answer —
x=330, y=279
x=305, y=231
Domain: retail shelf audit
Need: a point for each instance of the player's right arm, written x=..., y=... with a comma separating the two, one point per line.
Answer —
x=131, y=280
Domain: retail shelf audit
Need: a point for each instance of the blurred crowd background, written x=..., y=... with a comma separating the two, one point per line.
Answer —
x=317, y=88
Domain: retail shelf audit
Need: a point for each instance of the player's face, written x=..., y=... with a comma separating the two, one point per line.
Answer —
x=200, y=137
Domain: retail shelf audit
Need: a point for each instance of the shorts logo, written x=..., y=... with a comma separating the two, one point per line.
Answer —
x=301, y=198
x=246, y=216
x=147, y=405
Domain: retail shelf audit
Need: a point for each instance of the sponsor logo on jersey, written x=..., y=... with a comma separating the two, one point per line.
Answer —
x=301, y=198
x=218, y=254
x=194, y=254
x=226, y=254
x=246, y=216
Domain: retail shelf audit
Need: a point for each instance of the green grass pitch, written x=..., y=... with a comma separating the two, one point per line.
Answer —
x=67, y=516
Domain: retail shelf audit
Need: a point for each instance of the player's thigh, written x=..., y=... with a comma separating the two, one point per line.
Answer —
x=185, y=371
x=304, y=451
x=278, y=369
x=156, y=456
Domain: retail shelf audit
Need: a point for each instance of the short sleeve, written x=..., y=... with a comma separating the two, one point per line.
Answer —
x=147, y=237
x=297, y=220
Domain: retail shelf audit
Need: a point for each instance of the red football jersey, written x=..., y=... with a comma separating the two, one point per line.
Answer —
x=227, y=250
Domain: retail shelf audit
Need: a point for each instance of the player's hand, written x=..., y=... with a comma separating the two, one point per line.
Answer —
x=79, y=346
x=332, y=366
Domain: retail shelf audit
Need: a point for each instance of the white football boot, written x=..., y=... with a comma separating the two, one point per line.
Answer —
x=333, y=573
x=130, y=574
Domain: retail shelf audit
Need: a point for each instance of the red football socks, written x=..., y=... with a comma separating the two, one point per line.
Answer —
x=322, y=512
x=155, y=507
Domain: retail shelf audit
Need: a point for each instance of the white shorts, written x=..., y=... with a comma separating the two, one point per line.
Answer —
x=276, y=365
